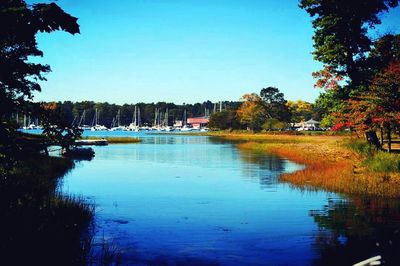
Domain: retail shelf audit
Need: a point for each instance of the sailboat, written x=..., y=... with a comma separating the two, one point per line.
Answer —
x=166, y=120
x=206, y=115
x=95, y=123
x=117, y=120
x=81, y=123
x=157, y=116
x=135, y=125
x=185, y=126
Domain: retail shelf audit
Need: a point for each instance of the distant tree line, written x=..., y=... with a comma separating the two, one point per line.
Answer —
x=107, y=112
x=268, y=110
x=274, y=112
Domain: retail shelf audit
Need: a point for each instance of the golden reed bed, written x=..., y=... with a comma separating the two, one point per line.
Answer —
x=330, y=165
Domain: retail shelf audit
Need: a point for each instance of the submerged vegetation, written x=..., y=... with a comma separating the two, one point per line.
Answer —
x=335, y=163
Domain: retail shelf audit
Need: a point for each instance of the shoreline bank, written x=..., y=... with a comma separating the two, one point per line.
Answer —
x=330, y=164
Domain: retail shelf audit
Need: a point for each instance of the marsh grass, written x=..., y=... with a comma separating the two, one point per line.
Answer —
x=117, y=140
x=333, y=163
x=361, y=147
x=375, y=160
x=384, y=162
x=41, y=226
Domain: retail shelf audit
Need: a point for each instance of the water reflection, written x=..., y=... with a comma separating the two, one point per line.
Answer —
x=358, y=228
x=200, y=201
x=267, y=170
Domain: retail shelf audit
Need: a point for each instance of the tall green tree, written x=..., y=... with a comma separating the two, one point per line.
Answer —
x=341, y=40
x=226, y=119
x=275, y=104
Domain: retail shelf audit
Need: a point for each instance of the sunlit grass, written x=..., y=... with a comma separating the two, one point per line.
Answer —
x=116, y=140
x=334, y=163
x=384, y=162
x=375, y=160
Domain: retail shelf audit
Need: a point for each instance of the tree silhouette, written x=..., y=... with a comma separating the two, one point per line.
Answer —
x=19, y=77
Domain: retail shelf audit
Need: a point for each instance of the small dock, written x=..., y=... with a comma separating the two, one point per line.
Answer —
x=91, y=142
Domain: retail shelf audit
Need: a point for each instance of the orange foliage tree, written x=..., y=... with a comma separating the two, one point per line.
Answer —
x=379, y=106
x=252, y=111
x=327, y=78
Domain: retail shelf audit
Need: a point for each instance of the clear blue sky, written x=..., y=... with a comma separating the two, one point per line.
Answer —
x=182, y=50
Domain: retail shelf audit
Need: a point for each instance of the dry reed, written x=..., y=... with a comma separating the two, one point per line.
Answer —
x=330, y=165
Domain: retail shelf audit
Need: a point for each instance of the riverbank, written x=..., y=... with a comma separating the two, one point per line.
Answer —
x=39, y=222
x=341, y=164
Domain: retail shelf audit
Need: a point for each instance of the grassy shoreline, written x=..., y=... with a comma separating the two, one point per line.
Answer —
x=116, y=140
x=47, y=226
x=331, y=163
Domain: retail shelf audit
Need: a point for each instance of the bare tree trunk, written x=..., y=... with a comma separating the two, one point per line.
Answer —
x=381, y=129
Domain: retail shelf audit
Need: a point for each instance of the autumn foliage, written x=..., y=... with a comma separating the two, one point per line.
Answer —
x=379, y=105
x=327, y=78
x=251, y=112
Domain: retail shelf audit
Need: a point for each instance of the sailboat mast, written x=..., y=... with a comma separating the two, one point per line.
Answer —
x=166, y=118
x=82, y=118
x=118, y=118
x=138, y=118
x=134, y=122
x=94, y=118
x=155, y=116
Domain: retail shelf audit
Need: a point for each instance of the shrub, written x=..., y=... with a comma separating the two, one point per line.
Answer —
x=273, y=124
x=384, y=162
x=361, y=147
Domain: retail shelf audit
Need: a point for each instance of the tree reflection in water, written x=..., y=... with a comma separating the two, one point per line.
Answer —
x=350, y=229
x=359, y=228
x=268, y=168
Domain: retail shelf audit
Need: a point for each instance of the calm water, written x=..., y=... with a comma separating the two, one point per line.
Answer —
x=189, y=200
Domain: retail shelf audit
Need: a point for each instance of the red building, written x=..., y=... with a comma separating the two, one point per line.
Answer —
x=198, y=122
